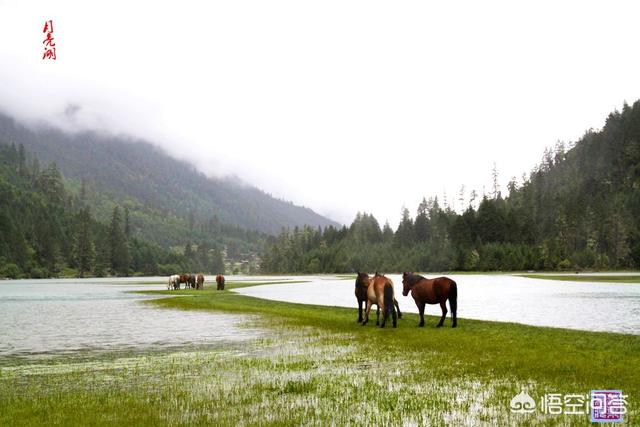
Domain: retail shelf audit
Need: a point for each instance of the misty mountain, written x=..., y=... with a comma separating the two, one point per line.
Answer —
x=157, y=188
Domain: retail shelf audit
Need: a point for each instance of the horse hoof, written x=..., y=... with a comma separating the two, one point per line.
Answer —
x=421, y=325
x=438, y=326
x=454, y=326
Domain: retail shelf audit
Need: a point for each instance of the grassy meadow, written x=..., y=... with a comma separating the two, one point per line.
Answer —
x=316, y=366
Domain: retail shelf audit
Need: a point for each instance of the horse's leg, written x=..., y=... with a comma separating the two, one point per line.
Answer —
x=360, y=310
x=378, y=315
x=395, y=318
x=421, y=310
x=443, y=306
x=385, y=314
x=366, y=314
x=395, y=302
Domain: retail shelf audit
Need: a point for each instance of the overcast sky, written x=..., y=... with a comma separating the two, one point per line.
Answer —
x=342, y=106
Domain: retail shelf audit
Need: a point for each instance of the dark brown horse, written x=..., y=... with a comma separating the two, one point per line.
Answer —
x=375, y=295
x=220, y=282
x=362, y=283
x=432, y=291
x=200, y=281
x=191, y=281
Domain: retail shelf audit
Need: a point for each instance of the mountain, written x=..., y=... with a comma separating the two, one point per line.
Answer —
x=170, y=202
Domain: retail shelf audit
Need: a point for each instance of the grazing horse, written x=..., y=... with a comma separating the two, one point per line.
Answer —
x=191, y=281
x=184, y=278
x=375, y=295
x=174, y=282
x=200, y=282
x=432, y=291
x=220, y=282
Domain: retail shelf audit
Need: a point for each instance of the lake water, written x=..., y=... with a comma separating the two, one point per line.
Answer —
x=608, y=307
x=41, y=318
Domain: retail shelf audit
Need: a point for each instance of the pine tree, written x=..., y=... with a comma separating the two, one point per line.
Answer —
x=119, y=250
x=84, y=249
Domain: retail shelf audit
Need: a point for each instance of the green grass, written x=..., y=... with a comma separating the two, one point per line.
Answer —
x=585, y=278
x=317, y=366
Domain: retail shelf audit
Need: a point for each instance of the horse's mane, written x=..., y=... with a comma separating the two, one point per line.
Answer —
x=412, y=278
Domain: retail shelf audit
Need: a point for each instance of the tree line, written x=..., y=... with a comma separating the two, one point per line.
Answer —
x=46, y=231
x=579, y=208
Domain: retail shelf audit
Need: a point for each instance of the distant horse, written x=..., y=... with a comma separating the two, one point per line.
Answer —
x=432, y=291
x=220, y=282
x=200, y=282
x=184, y=278
x=375, y=295
x=191, y=281
x=174, y=282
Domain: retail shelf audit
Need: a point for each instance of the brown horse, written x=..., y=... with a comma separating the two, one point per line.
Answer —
x=432, y=291
x=191, y=281
x=375, y=295
x=220, y=282
x=200, y=281
x=184, y=278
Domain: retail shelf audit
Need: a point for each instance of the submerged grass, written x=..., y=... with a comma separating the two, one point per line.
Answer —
x=318, y=367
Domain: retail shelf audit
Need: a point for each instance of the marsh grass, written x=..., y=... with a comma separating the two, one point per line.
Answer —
x=317, y=366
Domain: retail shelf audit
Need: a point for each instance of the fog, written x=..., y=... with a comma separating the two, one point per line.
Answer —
x=339, y=106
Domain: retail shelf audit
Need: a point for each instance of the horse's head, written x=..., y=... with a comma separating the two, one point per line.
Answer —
x=362, y=280
x=406, y=285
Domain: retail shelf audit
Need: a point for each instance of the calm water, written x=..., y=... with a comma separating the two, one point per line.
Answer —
x=587, y=306
x=51, y=317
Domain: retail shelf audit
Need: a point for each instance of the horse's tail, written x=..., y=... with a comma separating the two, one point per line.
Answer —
x=453, y=298
x=388, y=296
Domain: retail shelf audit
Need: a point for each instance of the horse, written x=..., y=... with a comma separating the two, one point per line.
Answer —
x=432, y=291
x=174, y=282
x=362, y=283
x=184, y=278
x=375, y=295
x=191, y=281
x=220, y=282
x=200, y=282
x=389, y=309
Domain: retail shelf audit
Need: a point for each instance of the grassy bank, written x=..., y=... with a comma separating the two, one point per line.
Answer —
x=317, y=366
x=586, y=278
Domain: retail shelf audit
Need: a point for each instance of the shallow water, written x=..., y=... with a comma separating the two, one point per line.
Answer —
x=41, y=318
x=607, y=307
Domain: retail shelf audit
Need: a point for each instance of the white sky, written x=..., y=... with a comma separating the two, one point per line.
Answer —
x=342, y=106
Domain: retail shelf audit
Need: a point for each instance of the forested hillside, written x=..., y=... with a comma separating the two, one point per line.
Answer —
x=578, y=209
x=45, y=231
x=170, y=203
